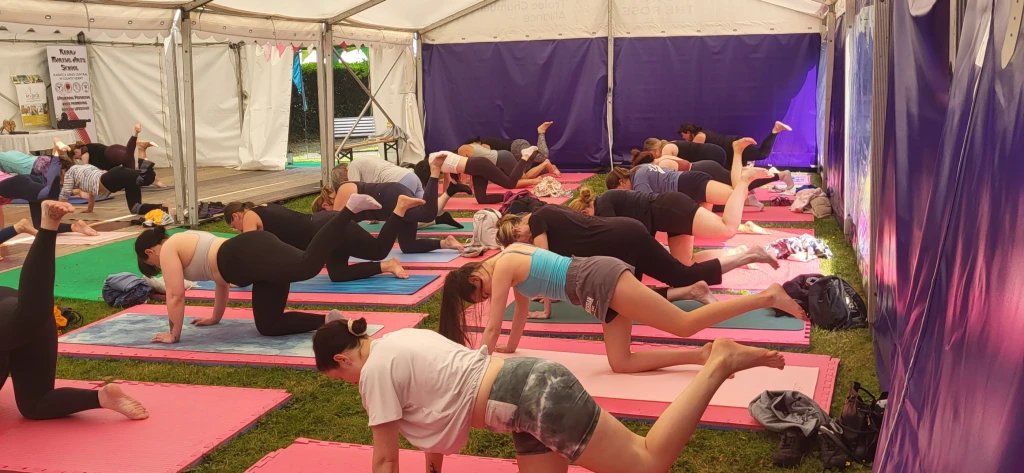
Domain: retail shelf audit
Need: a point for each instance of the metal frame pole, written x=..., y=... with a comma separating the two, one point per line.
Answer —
x=610, y=116
x=176, y=151
x=325, y=99
x=189, y=132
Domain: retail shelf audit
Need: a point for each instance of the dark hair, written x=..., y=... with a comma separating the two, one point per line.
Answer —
x=689, y=128
x=422, y=170
x=146, y=240
x=236, y=207
x=475, y=139
x=336, y=337
x=641, y=157
x=457, y=292
x=616, y=176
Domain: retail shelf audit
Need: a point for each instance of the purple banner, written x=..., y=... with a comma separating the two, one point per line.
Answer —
x=508, y=89
x=736, y=85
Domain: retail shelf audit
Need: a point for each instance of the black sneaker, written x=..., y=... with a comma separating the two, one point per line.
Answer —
x=792, y=448
x=833, y=457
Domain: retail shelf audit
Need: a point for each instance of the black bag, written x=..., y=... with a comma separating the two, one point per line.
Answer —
x=73, y=317
x=799, y=287
x=833, y=304
x=855, y=436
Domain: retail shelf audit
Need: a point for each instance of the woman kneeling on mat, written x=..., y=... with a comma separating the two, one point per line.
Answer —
x=603, y=286
x=298, y=229
x=431, y=390
x=388, y=195
x=28, y=337
x=257, y=259
x=539, y=165
x=501, y=168
x=697, y=134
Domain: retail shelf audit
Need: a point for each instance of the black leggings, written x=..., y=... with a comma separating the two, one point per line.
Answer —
x=270, y=265
x=360, y=244
x=673, y=213
x=484, y=172
x=28, y=340
x=757, y=153
x=29, y=188
x=651, y=257
x=127, y=179
x=721, y=174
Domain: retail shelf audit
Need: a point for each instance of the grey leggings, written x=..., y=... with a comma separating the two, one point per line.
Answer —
x=542, y=148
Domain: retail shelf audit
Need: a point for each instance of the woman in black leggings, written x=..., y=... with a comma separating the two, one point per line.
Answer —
x=298, y=229
x=569, y=233
x=504, y=170
x=696, y=134
x=28, y=337
x=34, y=191
x=257, y=259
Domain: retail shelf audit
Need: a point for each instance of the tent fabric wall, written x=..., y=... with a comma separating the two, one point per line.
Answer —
x=835, y=157
x=127, y=89
x=756, y=80
x=857, y=167
x=218, y=131
x=508, y=89
x=958, y=361
x=19, y=58
x=267, y=81
x=394, y=92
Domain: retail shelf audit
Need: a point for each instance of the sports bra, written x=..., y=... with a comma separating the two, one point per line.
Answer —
x=547, y=274
x=199, y=268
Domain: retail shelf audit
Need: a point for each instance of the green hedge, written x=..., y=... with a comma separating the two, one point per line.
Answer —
x=349, y=99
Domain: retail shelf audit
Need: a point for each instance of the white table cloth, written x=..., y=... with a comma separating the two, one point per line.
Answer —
x=36, y=141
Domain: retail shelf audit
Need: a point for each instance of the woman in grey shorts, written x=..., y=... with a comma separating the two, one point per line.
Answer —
x=431, y=390
x=603, y=286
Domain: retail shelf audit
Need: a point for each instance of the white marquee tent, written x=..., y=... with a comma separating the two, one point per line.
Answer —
x=213, y=78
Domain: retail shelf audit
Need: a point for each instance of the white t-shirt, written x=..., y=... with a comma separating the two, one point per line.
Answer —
x=375, y=171
x=425, y=382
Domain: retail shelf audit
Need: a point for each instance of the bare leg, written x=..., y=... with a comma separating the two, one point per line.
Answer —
x=617, y=338
x=681, y=247
x=524, y=183
x=546, y=463
x=756, y=254
x=614, y=448
x=635, y=301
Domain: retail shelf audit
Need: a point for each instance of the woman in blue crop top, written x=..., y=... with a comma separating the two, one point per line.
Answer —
x=604, y=287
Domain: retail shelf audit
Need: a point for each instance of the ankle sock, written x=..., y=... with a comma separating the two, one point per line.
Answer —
x=447, y=219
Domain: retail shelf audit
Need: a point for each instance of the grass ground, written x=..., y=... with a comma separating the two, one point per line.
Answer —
x=326, y=410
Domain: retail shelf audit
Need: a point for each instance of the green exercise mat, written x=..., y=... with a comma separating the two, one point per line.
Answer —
x=80, y=275
x=760, y=319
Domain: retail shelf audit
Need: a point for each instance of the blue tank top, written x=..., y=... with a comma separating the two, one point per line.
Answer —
x=547, y=275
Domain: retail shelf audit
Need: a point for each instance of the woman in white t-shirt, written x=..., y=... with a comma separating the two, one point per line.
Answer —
x=432, y=390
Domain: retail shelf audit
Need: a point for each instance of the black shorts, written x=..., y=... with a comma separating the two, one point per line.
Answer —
x=695, y=185
x=673, y=213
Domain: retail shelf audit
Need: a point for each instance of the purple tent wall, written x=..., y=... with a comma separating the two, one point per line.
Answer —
x=507, y=89
x=835, y=158
x=730, y=84
x=958, y=361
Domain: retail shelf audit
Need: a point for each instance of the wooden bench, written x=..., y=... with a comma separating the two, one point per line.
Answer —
x=364, y=128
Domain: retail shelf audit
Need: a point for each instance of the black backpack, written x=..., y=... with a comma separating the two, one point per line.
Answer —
x=854, y=438
x=832, y=304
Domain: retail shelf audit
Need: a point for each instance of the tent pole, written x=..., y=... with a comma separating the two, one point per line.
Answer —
x=189, y=133
x=879, y=102
x=418, y=38
x=830, y=60
x=176, y=150
x=609, y=115
x=325, y=97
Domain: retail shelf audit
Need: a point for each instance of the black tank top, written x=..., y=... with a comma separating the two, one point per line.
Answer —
x=724, y=141
x=291, y=227
x=625, y=203
x=688, y=150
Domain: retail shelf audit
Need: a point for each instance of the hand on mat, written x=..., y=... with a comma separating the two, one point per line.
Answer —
x=204, y=322
x=538, y=315
x=502, y=348
x=165, y=337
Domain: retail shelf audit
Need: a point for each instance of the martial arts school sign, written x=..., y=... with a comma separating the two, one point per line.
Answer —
x=72, y=93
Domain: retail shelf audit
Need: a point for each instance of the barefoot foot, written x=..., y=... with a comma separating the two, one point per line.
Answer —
x=451, y=243
x=113, y=398
x=782, y=301
x=83, y=228
x=543, y=128
x=758, y=254
x=733, y=357
x=779, y=126
x=752, y=228
x=53, y=211
x=394, y=266
x=752, y=202
x=787, y=177
x=405, y=203
x=699, y=292
x=741, y=144
x=25, y=226
x=435, y=164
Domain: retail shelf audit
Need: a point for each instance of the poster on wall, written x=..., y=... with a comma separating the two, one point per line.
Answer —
x=72, y=93
x=35, y=110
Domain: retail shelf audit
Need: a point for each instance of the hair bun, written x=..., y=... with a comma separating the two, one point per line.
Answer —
x=586, y=194
x=357, y=327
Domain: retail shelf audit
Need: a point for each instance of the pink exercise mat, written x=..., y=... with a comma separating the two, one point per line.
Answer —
x=185, y=423
x=470, y=204
x=773, y=214
x=391, y=321
x=314, y=456
x=647, y=395
x=75, y=238
x=748, y=239
x=759, y=279
x=476, y=319
x=496, y=189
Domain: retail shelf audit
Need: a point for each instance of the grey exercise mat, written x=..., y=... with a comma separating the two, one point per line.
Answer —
x=229, y=336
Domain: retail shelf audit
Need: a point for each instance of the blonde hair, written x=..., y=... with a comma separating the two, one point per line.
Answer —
x=323, y=198
x=584, y=201
x=654, y=144
x=508, y=229
x=339, y=174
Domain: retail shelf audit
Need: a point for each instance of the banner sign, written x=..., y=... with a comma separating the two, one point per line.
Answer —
x=35, y=110
x=72, y=93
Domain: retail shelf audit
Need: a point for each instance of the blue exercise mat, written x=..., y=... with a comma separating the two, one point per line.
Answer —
x=436, y=229
x=563, y=312
x=322, y=284
x=436, y=256
x=72, y=200
x=229, y=336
